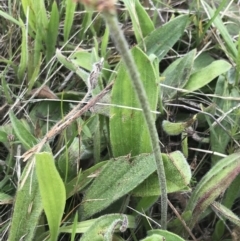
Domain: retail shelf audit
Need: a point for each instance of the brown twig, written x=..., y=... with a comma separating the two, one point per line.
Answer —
x=66, y=121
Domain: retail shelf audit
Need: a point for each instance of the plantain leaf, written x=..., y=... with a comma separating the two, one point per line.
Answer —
x=52, y=191
x=213, y=184
x=178, y=176
x=207, y=74
x=128, y=129
x=177, y=74
x=27, y=207
x=124, y=174
x=161, y=40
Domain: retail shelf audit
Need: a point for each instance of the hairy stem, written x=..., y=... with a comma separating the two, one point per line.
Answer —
x=122, y=46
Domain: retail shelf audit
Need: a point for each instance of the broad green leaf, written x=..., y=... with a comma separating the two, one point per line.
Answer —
x=68, y=20
x=177, y=74
x=82, y=59
x=124, y=174
x=213, y=184
x=142, y=24
x=103, y=228
x=25, y=137
x=168, y=236
x=128, y=130
x=223, y=31
x=5, y=198
x=205, y=75
x=178, y=176
x=27, y=207
x=52, y=32
x=52, y=191
x=161, y=40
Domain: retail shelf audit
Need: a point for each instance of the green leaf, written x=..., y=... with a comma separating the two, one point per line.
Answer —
x=122, y=175
x=83, y=179
x=128, y=126
x=206, y=75
x=68, y=20
x=213, y=184
x=24, y=54
x=177, y=74
x=52, y=191
x=142, y=24
x=168, y=236
x=221, y=135
x=52, y=32
x=154, y=237
x=27, y=207
x=225, y=213
x=3, y=136
x=103, y=228
x=25, y=137
x=161, y=40
x=10, y=18
x=178, y=176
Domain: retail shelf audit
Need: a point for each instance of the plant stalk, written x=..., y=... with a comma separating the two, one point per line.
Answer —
x=122, y=46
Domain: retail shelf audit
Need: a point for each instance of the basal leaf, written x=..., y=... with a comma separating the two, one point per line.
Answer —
x=213, y=184
x=178, y=176
x=52, y=191
x=177, y=74
x=207, y=74
x=161, y=40
x=128, y=129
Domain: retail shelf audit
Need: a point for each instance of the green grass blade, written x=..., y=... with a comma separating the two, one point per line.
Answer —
x=231, y=48
x=52, y=191
x=24, y=54
x=10, y=18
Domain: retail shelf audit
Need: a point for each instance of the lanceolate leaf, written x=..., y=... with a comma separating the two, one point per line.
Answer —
x=128, y=130
x=27, y=207
x=160, y=41
x=178, y=176
x=207, y=74
x=177, y=74
x=213, y=184
x=122, y=175
x=52, y=191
